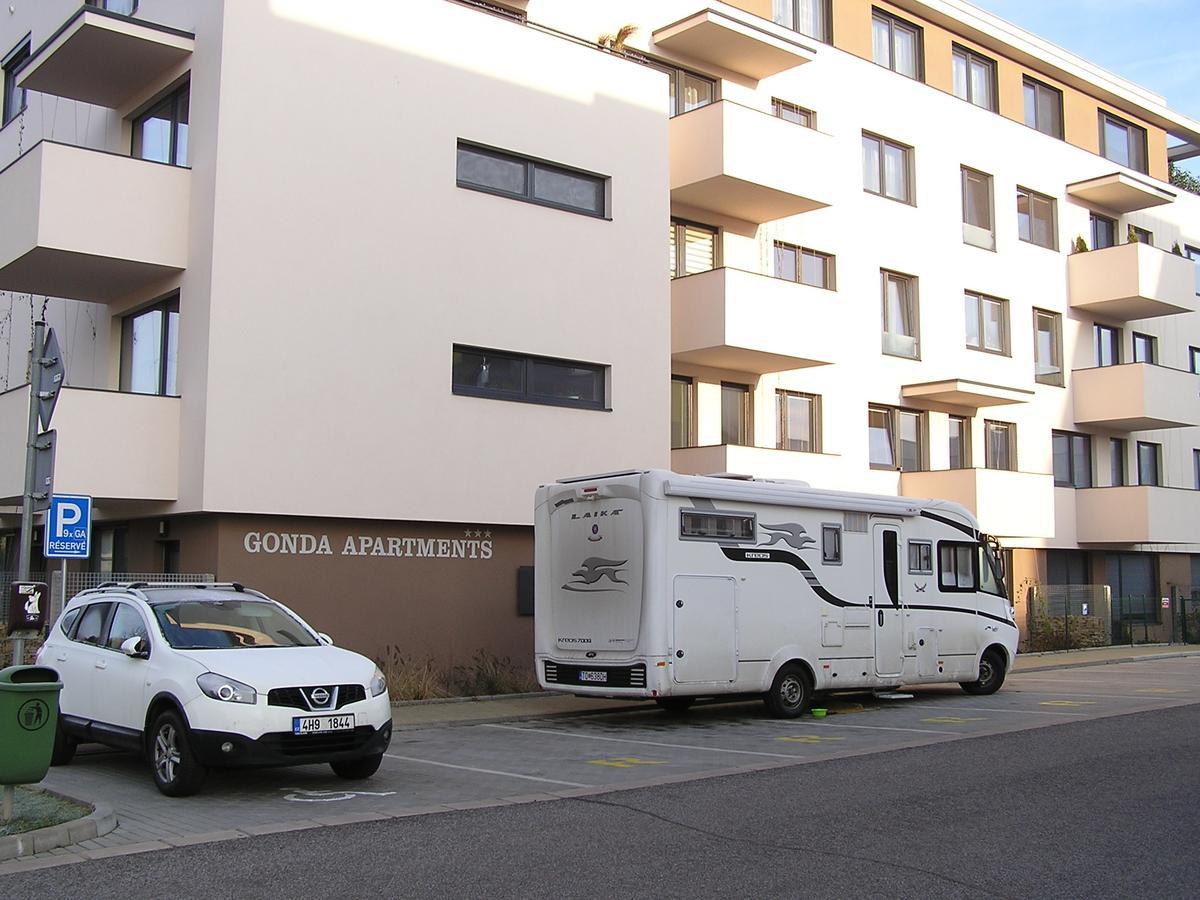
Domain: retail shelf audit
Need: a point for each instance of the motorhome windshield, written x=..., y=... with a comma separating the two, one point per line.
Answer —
x=991, y=571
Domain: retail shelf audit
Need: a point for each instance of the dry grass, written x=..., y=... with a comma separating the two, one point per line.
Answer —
x=409, y=678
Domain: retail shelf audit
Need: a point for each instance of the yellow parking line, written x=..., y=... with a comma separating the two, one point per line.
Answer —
x=953, y=720
x=626, y=762
x=1067, y=703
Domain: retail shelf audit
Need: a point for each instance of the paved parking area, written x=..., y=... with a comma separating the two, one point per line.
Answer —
x=435, y=768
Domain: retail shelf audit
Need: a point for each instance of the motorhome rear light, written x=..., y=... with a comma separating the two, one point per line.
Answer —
x=661, y=664
x=590, y=490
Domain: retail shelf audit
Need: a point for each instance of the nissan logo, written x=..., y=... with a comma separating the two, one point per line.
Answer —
x=591, y=654
x=319, y=696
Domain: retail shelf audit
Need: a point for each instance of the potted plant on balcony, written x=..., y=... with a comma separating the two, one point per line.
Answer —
x=1079, y=245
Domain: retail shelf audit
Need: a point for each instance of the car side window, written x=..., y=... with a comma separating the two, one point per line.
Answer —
x=91, y=623
x=127, y=622
x=69, y=620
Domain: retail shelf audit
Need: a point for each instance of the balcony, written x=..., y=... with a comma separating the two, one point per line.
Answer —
x=106, y=59
x=731, y=319
x=719, y=163
x=1131, y=281
x=1136, y=397
x=88, y=457
x=1012, y=504
x=90, y=225
x=964, y=394
x=823, y=470
x=1120, y=193
x=731, y=39
x=1137, y=514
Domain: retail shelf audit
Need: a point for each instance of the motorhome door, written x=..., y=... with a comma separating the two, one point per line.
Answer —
x=889, y=615
x=704, y=611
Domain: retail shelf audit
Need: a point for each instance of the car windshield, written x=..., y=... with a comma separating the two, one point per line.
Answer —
x=225, y=624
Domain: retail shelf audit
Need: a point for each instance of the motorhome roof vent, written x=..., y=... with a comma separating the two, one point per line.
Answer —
x=732, y=476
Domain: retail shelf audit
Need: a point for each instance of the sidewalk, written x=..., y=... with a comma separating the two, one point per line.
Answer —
x=423, y=713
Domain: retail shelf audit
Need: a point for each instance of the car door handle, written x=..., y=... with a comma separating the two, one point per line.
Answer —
x=881, y=618
x=62, y=657
x=102, y=664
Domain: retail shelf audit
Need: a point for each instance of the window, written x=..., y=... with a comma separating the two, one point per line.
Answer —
x=1193, y=253
x=1148, y=463
x=896, y=44
x=956, y=565
x=987, y=323
x=1035, y=219
x=810, y=17
x=502, y=12
x=1196, y=467
x=1104, y=232
x=1194, y=359
x=91, y=623
x=1000, y=445
x=121, y=7
x=14, y=97
x=1122, y=142
x=735, y=414
x=717, y=526
x=688, y=90
x=974, y=78
x=790, y=112
x=811, y=267
x=1108, y=345
x=1047, y=347
x=896, y=438
x=521, y=178
x=887, y=168
x=900, y=315
x=127, y=622
x=150, y=349
x=681, y=411
x=1043, y=108
x=500, y=375
x=1116, y=461
x=799, y=421
x=699, y=243
x=831, y=544
x=960, y=442
x=1072, y=459
x=161, y=133
x=1141, y=235
x=920, y=558
x=978, y=230
x=1145, y=348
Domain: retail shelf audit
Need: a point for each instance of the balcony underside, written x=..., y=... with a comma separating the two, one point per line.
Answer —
x=751, y=48
x=965, y=394
x=1120, y=193
x=80, y=276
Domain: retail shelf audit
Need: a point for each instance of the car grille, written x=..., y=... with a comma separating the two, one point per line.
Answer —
x=306, y=744
x=616, y=676
x=297, y=697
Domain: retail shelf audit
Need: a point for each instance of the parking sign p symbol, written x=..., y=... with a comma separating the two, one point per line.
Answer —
x=68, y=515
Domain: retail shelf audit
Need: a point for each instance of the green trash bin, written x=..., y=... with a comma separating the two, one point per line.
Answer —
x=28, y=721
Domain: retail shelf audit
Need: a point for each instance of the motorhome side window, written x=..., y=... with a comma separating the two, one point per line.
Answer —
x=831, y=544
x=956, y=565
x=989, y=578
x=920, y=558
x=717, y=526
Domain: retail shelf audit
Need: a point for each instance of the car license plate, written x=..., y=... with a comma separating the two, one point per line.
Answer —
x=322, y=724
x=598, y=677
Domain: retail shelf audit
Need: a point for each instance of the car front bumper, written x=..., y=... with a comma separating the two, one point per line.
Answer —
x=283, y=748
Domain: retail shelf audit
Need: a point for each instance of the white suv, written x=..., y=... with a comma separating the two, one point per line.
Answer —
x=211, y=675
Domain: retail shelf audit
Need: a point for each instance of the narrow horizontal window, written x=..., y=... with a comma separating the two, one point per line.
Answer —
x=811, y=267
x=531, y=180
x=920, y=558
x=500, y=375
x=717, y=526
x=791, y=112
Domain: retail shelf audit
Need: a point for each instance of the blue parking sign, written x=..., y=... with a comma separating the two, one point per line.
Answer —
x=68, y=527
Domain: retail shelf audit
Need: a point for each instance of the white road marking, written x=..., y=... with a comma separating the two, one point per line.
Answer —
x=880, y=728
x=1175, y=697
x=430, y=762
x=994, y=709
x=596, y=737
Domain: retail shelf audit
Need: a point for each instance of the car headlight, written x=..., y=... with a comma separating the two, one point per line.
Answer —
x=378, y=683
x=228, y=689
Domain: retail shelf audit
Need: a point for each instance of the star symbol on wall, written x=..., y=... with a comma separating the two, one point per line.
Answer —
x=487, y=534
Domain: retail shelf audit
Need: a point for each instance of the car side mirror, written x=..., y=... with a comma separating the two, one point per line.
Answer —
x=324, y=639
x=135, y=647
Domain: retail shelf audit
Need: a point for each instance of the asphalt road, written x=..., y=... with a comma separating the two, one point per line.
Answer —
x=1100, y=808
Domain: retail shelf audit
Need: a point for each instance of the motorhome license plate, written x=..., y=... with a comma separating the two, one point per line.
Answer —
x=600, y=677
x=321, y=724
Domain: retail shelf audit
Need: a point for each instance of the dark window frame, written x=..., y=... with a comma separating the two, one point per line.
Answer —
x=967, y=173
x=917, y=565
x=689, y=414
x=745, y=534
x=1194, y=360
x=677, y=83
x=969, y=56
x=1156, y=449
x=827, y=22
x=1032, y=198
x=1118, y=468
x=13, y=61
x=745, y=413
x=893, y=427
x=981, y=302
x=910, y=193
x=173, y=103
x=167, y=305
x=678, y=234
x=103, y=4
x=912, y=301
x=1136, y=147
x=1101, y=241
x=1193, y=253
x=532, y=165
x=894, y=23
x=526, y=395
x=1100, y=332
x=1055, y=377
x=1072, y=478
x=1010, y=430
x=1037, y=125
x=1147, y=341
x=828, y=264
x=965, y=440
x=973, y=556
x=780, y=108
x=831, y=544
x=814, y=420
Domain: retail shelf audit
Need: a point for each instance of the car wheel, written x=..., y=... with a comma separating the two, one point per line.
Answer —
x=356, y=769
x=64, y=746
x=790, y=693
x=176, y=771
x=991, y=675
x=675, y=705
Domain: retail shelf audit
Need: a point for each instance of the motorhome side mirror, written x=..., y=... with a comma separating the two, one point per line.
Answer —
x=324, y=639
x=135, y=647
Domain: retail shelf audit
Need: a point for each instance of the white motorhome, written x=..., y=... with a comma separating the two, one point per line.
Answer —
x=658, y=585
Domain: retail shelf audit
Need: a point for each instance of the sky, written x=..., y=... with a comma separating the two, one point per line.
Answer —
x=1152, y=43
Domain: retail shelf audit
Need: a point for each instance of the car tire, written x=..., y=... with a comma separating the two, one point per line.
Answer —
x=790, y=693
x=177, y=773
x=357, y=769
x=64, y=746
x=675, y=706
x=991, y=675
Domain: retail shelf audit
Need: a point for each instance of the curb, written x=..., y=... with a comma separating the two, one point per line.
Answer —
x=1148, y=657
x=99, y=822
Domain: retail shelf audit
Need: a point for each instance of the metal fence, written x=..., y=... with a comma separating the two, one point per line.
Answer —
x=1187, y=609
x=1069, y=616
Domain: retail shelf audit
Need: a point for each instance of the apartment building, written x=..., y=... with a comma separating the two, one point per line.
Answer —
x=339, y=284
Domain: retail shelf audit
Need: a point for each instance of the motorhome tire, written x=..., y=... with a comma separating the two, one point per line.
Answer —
x=790, y=693
x=991, y=675
x=675, y=705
